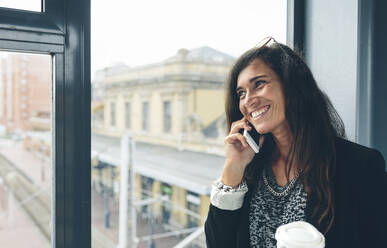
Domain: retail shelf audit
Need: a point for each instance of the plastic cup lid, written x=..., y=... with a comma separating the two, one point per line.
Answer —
x=300, y=234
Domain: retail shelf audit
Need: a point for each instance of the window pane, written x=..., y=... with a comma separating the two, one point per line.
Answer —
x=127, y=115
x=145, y=116
x=112, y=114
x=165, y=72
x=25, y=150
x=32, y=5
x=167, y=117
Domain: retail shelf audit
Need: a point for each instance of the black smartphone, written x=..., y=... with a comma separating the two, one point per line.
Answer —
x=252, y=138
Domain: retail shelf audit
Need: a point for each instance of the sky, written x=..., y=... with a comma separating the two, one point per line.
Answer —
x=33, y=5
x=139, y=32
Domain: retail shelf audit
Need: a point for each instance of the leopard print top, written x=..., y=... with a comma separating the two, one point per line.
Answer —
x=267, y=211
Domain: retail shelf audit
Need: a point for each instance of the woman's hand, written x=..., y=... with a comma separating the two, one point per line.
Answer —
x=238, y=153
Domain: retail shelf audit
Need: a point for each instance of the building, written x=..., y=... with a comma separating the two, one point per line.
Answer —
x=25, y=92
x=175, y=111
x=185, y=177
x=178, y=102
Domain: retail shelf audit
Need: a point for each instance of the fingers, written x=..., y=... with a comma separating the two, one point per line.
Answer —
x=238, y=125
x=236, y=138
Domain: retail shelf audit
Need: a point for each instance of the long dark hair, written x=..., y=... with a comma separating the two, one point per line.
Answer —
x=313, y=121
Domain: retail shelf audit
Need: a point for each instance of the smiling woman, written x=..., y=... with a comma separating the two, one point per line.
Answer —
x=301, y=171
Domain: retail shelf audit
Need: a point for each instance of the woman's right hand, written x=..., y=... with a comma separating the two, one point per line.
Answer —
x=238, y=153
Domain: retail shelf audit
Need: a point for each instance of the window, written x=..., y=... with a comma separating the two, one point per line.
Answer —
x=145, y=116
x=193, y=204
x=32, y=5
x=25, y=151
x=112, y=114
x=169, y=97
x=60, y=138
x=167, y=191
x=127, y=114
x=146, y=190
x=167, y=116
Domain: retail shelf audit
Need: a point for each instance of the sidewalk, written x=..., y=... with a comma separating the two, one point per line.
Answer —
x=17, y=229
x=32, y=165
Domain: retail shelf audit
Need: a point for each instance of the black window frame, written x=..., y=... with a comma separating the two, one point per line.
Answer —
x=62, y=30
x=371, y=119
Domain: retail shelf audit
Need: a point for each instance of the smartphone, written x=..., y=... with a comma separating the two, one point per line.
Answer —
x=252, y=138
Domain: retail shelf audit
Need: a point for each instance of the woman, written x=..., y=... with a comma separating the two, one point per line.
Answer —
x=306, y=170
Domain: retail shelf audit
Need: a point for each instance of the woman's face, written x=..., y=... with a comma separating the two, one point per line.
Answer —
x=261, y=98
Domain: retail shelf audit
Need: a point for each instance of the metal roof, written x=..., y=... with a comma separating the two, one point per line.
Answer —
x=202, y=54
x=192, y=171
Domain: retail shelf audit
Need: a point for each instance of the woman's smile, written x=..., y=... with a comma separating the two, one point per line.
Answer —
x=259, y=113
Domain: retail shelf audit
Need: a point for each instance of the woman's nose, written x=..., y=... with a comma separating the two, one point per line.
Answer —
x=249, y=99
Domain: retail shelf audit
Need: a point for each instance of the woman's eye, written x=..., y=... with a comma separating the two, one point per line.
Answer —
x=241, y=93
x=259, y=83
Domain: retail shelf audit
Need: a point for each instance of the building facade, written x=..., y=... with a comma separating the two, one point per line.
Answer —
x=175, y=111
x=178, y=102
x=25, y=93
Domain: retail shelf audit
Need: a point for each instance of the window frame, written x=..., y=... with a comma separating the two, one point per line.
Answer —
x=62, y=30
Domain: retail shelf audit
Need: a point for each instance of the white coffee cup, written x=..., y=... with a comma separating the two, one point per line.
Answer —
x=299, y=234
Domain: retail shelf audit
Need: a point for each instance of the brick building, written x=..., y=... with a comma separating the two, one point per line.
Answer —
x=25, y=92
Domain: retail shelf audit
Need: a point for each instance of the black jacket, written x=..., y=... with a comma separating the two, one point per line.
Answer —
x=360, y=191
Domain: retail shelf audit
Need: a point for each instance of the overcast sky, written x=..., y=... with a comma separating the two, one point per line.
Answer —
x=138, y=32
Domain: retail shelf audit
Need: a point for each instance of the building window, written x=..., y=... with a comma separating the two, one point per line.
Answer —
x=166, y=190
x=167, y=116
x=145, y=116
x=127, y=114
x=146, y=190
x=193, y=204
x=112, y=114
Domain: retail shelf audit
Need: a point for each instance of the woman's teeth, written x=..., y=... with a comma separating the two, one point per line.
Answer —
x=256, y=114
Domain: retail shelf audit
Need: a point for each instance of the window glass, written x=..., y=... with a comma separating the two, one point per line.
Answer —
x=165, y=68
x=193, y=205
x=167, y=117
x=112, y=114
x=25, y=150
x=127, y=115
x=32, y=5
x=145, y=116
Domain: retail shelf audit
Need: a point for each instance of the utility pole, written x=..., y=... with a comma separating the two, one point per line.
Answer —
x=151, y=244
x=123, y=212
x=133, y=193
